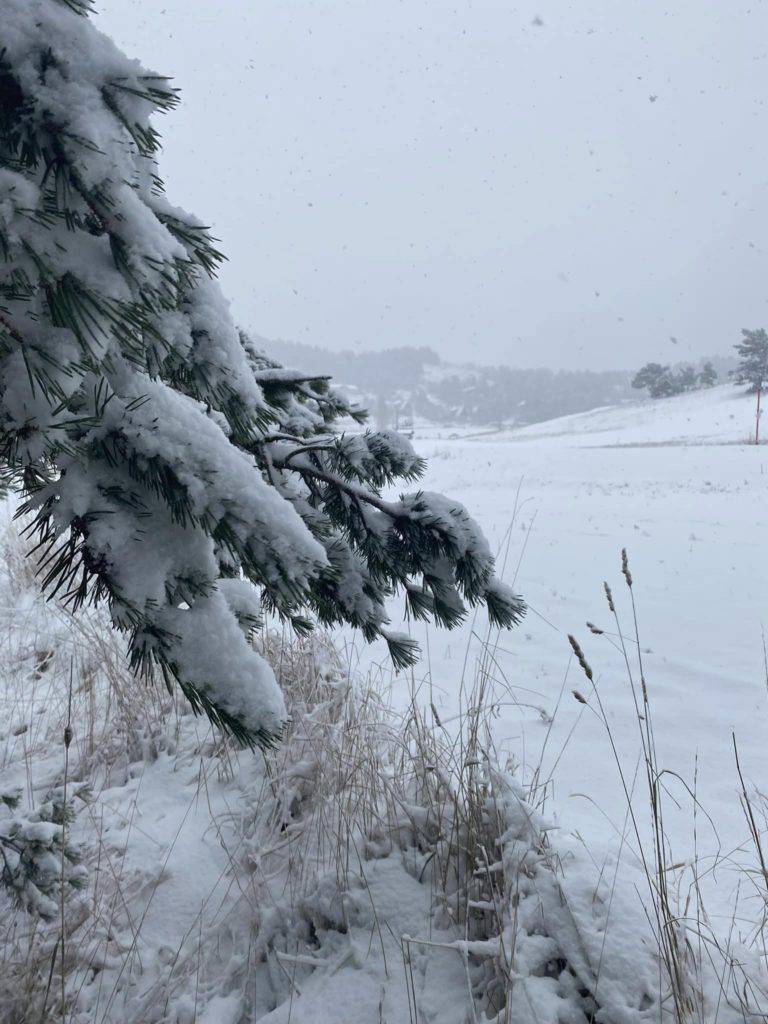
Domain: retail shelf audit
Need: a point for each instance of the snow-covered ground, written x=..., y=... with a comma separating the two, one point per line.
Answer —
x=675, y=483
x=720, y=415
x=341, y=878
x=226, y=888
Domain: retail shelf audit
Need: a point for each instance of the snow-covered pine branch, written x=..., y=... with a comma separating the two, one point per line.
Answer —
x=163, y=458
x=37, y=863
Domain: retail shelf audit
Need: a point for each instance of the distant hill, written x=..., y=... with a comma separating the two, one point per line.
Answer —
x=399, y=384
x=721, y=415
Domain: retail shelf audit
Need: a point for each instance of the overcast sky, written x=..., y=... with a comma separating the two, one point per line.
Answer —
x=544, y=183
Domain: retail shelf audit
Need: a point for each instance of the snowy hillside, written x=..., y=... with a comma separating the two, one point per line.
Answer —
x=673, y=482
x=322, y=884
x=375, y=868
x=719, y=415
x=218, y=805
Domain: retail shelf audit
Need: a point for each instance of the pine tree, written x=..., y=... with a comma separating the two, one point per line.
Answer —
x=707, y=375
x=753, y=359
x=656, y=379
x=171, y=469
x=753, y=367
x=685, y=379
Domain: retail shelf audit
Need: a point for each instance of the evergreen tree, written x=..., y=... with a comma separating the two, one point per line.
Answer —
x=685, y=379
x=170, y=468
x=753, y=359
x=707, y=375
x=662, y=382
x=656, y=379
x=753, y=366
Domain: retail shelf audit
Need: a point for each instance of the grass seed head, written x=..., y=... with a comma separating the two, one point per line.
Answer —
x=625, y=567
x=580, y=657
x=609, y=595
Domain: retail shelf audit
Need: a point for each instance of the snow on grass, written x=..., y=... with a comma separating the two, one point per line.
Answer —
x=353, y=875
x=376, y=867
x=671, y=482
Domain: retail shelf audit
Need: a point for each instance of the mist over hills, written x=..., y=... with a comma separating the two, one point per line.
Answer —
x=397, y=384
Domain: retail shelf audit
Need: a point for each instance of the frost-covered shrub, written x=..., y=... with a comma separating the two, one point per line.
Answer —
x=39, y=864
x=171, y=469
x=389, y=839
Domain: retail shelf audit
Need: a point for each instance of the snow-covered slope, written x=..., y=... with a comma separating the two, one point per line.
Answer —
x=675, y=483
x=197, y=913
x=372, y=869
x=719, y=415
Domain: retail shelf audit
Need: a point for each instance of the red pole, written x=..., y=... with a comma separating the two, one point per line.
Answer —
x=757, y=416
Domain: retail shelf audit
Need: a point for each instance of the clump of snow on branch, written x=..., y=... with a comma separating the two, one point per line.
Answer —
x=39, y=865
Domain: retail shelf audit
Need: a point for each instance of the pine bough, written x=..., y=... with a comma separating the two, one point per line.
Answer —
x=38, y=865
x=170, y=468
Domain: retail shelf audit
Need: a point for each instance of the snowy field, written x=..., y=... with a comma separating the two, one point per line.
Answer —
x=228, y=889
x=675, y=483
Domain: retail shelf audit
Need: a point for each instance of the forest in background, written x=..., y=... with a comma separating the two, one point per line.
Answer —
x=401, y=383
